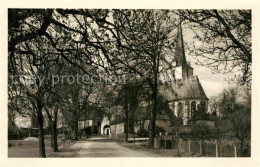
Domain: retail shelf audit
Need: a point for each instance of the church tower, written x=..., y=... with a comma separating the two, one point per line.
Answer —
x=183, y=69
x=186, y=96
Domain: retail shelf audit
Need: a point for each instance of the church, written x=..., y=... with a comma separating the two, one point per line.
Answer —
x=185, y=95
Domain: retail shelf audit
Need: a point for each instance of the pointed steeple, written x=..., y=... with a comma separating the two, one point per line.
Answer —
x=183, y=69
x=179, y=48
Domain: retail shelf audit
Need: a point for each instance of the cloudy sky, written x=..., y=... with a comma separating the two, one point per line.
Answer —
x=213, y=83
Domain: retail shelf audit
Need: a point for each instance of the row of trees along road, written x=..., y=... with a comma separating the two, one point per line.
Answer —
x=47, y=42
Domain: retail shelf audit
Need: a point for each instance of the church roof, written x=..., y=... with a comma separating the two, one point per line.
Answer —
x=189, y=88
x=179, y=48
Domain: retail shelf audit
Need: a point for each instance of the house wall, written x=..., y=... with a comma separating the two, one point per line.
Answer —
x=178, y=72
x=190, y=72
x=138, y=126
x=105, y=121
x=183, y=72
x=186, y=109
x=61, y=124
x=117, y=128
x=165, y=124
x=87, y=124
x=141, y=124
x=106, y=131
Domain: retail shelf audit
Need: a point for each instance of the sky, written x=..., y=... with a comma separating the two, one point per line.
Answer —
x=23, y=122
x=212, y=83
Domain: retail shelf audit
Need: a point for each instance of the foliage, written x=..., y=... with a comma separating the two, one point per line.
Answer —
x=237, y=115
x=159, y=129
x=143, y=133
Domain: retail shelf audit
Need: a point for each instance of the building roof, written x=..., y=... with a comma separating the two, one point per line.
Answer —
x=189, y=88
x=179, y=48
x=92, y=114
x=119, y=118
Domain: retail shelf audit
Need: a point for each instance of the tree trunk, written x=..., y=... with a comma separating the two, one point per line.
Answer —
x=75, y=132
x=74, y=126
x=50, y=129
x=235, y=150
x=154, y=99
x=84, y=129
x=201, y=152
x=41, y=133
x=54, y=136
x=177, y=139
x=153, y=117
x=126, y=114
x=202, y=147
x=154, y=86
x=126, y=127
x=51, y=138
x=217, y=155
x=189, y=147
x=241, y=147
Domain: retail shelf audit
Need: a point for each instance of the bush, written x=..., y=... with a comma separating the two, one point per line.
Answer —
x=186, y=135
x=13, y=132
x=143, y=133
x=159, y=129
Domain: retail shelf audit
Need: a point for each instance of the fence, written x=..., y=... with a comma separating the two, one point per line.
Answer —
x=212, y=149
x=121, y=137
x=203, y=148
x=206, y=149
x=22, y=133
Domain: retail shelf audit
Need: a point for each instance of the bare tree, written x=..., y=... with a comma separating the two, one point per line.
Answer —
x=32, y=79
x=237, y=117
x=143, y=37
x=222, y=40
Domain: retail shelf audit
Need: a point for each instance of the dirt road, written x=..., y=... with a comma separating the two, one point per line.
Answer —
x=99, y=147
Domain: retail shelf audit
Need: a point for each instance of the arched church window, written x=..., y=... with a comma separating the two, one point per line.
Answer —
x=193, y=109
x=203, y=107
x=199, y=107
x=180, y=109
